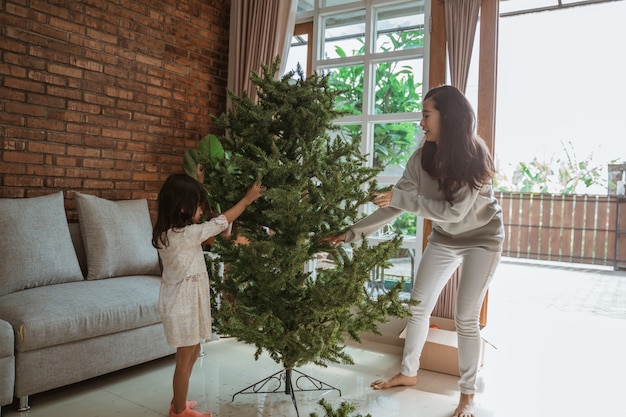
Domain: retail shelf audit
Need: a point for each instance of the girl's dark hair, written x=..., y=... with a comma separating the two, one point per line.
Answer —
x=178, y=200
x=461, y=158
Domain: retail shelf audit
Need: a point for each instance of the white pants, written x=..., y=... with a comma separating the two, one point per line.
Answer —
x=435, y=269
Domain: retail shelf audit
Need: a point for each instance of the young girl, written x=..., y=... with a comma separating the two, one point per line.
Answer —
x=448, y=180
x=184, y=300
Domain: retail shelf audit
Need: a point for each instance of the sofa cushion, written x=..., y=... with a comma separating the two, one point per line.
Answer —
x=117, y=236
x=63, y=313
x=36, y=248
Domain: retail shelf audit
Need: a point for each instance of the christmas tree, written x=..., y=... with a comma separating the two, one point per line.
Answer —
x=316, y=181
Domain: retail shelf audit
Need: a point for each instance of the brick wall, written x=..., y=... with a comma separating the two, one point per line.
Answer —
x=105, y=96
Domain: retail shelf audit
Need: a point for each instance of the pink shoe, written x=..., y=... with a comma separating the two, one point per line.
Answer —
x=188, y=412
x=189, y=404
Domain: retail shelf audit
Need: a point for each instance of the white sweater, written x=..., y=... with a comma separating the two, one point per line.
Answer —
x=472, y=219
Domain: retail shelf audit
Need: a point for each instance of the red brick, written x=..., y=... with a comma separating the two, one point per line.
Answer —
x=46, y=101
x=98, y=185
x=22, y=84
x=22, y=157
x=116, y=175
x=45, y=171
x=23, y=181
x=24, y=133
x=98, y=163
x=45, y=124
x=101, y=36
x=116, y=155
x=84, y=152
x=84, y=107
x=44, y=147
x=63, y=137
x=64, y=183
x=12, y=119
x=82, y=173
x=66, y=162
x=65, y=70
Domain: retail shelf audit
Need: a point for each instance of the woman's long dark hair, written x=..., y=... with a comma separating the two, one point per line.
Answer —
x=461, y=157
x=179, y=198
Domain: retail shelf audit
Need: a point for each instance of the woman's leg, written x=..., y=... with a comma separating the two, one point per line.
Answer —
x=435, y=269
x=479, y=265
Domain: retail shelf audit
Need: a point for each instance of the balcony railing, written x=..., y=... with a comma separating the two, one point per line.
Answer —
x=585, y=229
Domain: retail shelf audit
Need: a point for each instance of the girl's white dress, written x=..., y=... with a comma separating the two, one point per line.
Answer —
x=184, y=297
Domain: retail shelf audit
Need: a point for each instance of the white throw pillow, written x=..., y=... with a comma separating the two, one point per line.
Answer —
x=117, y=236
x=36, y=248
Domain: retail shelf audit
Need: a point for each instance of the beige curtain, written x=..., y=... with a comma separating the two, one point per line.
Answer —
x=259, y=31
x=461, y=21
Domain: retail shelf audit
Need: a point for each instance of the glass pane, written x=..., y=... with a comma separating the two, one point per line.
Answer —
x=328, y=3
x=297, y=53
x=402, y=269
x=352, y=132
x=305, y=5
x=393, y=145
x=399, y=86
x=344, y=34
x=399, y=28
x=518, y=5
x=349, y=79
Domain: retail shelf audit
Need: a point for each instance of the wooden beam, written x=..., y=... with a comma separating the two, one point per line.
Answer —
x=487, y=89
x=438, y=64
x=487, y=72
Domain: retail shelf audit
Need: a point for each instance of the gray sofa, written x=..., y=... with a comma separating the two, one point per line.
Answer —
x=77, y=300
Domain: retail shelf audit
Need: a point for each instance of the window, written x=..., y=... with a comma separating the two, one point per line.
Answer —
x=376, y=52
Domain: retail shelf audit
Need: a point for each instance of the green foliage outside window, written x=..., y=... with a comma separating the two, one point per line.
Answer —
x=560, y=175
x=396, y=91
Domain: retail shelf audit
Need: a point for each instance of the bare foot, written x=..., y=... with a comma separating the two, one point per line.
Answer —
x=465, y=407
x=394, y=381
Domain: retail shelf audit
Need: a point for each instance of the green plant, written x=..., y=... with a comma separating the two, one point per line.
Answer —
x=212, y=156
x=344, y=410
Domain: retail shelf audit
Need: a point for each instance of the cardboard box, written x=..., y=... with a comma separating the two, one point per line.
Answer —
x=440, y=353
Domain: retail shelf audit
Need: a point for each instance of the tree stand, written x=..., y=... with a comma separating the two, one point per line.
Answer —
x=286, y=374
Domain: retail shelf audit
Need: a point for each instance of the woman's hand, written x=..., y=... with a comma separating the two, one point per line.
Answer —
x=335, y=240
x=383, y=200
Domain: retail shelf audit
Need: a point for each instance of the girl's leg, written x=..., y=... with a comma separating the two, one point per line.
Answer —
x=185, y=358
x=479, y=265
x=192, y=360
x=435, y=269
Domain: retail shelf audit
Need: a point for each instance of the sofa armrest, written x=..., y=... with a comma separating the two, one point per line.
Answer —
x=7, y=363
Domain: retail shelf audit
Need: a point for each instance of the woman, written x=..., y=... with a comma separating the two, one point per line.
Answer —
x=447, y=180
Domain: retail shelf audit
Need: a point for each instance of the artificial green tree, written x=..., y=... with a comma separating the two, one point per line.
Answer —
x=316, y=181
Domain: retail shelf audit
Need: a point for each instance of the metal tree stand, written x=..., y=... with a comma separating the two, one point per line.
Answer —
x=286, y=374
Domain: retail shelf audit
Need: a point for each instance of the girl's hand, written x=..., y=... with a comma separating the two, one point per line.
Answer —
x=200, y=173
x=383, y=200
x=335, y=240
x=254, y=192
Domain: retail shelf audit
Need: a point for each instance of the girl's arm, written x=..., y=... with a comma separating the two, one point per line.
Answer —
x=253, y=193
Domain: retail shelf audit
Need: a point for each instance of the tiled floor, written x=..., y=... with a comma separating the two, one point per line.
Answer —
x=560, y=336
